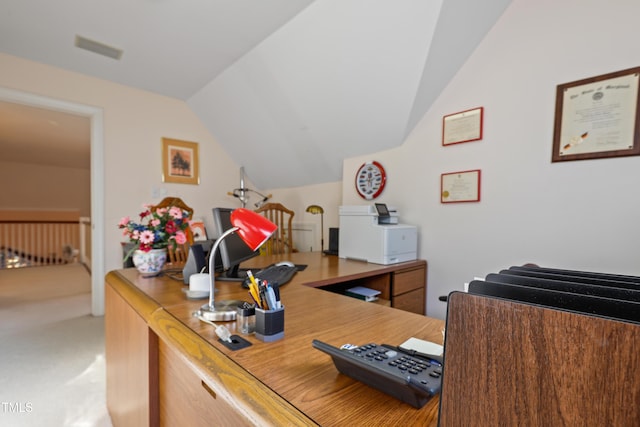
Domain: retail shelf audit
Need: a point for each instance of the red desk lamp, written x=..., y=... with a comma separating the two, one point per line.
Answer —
x=254, y=229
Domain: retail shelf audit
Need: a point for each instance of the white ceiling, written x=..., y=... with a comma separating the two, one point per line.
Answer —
x=297, y=85
x=44, y=137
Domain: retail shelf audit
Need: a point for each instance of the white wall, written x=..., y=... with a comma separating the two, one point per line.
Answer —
x=45, y=187
x=577, y=215
x=328, y=196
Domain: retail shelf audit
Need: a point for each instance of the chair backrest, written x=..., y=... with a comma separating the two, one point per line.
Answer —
x=282, y=241
x=180, y=253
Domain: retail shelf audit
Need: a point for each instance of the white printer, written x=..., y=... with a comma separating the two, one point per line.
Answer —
x=372, y=234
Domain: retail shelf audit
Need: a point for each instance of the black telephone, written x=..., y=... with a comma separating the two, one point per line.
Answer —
x=411, y=378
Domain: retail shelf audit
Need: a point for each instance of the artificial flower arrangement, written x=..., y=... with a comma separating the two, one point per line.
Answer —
x=158, y=228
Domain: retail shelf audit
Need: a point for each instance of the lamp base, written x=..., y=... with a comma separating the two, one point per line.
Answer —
x=222, y=311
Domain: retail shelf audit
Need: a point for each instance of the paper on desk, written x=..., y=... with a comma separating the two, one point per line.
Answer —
x=422, y=346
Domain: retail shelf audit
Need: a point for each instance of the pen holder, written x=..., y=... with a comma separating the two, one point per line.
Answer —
x=269, y=324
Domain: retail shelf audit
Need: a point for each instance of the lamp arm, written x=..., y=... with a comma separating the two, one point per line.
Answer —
x=212, y=260
x=240, y=193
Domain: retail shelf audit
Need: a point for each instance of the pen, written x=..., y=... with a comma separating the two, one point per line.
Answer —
x=276, y=291
x=263, y=299
x=271, y=298
x=276, y=295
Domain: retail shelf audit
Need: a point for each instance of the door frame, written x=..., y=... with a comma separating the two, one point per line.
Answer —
x=95, y=115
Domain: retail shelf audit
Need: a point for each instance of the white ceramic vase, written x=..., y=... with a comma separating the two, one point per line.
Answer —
x=150, y=263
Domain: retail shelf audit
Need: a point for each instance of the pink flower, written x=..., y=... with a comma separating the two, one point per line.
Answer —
x=181, y=237
x=124, y=221
x=146, y=237
x=155, y=222
x=175, y=212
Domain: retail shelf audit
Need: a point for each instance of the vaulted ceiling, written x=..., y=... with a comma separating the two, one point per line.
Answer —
x=288, y=87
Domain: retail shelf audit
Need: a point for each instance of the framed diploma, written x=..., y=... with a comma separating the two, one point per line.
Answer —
x=597, y=117
x=459, y=187
x=465, y=126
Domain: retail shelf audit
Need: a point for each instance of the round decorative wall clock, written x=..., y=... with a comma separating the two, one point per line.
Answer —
x=370, y=180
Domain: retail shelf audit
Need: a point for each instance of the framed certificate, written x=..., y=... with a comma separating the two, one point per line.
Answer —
x=459, y=187
x=465, y=126
x=597, y=117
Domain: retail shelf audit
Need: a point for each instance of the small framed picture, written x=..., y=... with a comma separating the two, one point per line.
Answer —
x=198, y=230
x=180, y=161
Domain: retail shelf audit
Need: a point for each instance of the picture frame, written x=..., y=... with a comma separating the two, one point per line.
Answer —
x=180, y=162
x=198, y=229
x=460, y=187
x=464, y=126
x=597, y=117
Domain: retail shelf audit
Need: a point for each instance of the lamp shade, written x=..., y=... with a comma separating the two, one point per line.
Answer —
x=315, y=209
x=254, y=229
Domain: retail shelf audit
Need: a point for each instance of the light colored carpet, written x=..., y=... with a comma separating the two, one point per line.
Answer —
x=39, y=295
x=52, y=368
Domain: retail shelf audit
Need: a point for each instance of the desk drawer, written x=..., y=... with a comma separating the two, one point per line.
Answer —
x=408, y=280
x=413, y=301
x=186, y=399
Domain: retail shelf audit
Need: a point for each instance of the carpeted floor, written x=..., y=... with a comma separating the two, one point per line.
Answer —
x=52, y=369
x=39, y=295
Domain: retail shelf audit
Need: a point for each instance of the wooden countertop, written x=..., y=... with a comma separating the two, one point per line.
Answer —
x=302, y=376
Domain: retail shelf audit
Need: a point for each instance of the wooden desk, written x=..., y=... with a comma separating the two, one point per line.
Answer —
x=165, y=367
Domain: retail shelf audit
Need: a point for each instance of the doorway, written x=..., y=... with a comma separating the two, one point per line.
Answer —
x=95, y=116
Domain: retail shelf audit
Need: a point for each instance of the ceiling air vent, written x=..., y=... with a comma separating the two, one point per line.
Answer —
x=97, y=47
